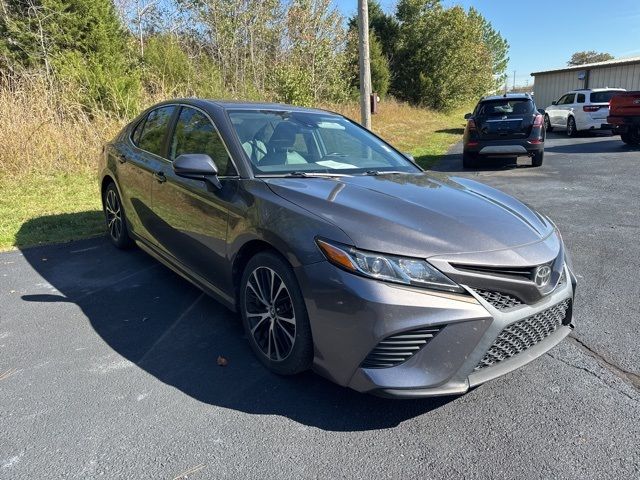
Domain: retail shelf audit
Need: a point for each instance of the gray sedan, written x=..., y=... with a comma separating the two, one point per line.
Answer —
x=339, y=252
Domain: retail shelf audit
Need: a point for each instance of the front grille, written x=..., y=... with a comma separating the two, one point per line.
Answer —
x=519, y=336
x=398, y=348
x=501, y=301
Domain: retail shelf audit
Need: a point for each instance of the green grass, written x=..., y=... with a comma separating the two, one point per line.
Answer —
x=36, y=209
x=39, y=208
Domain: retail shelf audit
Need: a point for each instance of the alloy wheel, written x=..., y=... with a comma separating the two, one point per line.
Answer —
x=571, y=127
x=113, y=212
x=270, y=314
x=547, y=122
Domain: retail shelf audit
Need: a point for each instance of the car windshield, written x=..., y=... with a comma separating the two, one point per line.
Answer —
x=604, y=96
x=302, y=143
x=505, y=107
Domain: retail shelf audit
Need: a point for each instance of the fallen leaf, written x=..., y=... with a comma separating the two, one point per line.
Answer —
x=222, y=362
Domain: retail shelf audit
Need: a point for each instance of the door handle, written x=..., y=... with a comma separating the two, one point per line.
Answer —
x=122, y=159
x=160, y=177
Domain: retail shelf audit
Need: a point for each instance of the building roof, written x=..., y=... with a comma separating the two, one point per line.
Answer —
x=616, y=62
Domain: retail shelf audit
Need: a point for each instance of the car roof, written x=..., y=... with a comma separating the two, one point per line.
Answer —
x=605, y=89
x=516, y=96
x=244, y=105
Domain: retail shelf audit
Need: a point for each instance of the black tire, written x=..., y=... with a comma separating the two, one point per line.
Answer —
x=265, y=334
x=469, y=160
x=115, y=218
x=538, y=157
x=632, y=137
x=547, y=124
x=571, y=127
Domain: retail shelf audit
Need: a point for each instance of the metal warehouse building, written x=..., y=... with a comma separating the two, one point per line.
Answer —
x=618, y=73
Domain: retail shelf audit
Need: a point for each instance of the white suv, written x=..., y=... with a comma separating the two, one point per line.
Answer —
x=585, y=109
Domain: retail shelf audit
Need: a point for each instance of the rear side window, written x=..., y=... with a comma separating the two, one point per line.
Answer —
x=604, y=97
x=581, y=98
x=194, y=133
x=155, y=127
x=505, y=107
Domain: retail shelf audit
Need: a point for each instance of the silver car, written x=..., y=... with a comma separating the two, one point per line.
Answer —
x=339, y=253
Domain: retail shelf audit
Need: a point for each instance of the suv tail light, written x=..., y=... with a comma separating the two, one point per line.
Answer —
x=591, y=108
x=537, y=121
x=471, y=125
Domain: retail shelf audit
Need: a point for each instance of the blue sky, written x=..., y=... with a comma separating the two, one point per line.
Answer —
x=543, y=34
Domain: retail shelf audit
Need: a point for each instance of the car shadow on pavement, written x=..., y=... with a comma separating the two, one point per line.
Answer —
x=165, y=326
x=452, y=163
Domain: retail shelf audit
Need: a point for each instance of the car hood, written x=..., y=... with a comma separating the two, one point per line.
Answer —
x=419, y=215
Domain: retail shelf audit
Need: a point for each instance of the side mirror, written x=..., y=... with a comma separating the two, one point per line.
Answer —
x=555, y=102
x=467, y=116
x=541, y=111
x=197, y=166
x=409, y=156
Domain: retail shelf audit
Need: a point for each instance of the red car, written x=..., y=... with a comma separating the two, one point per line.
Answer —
x=624, y=115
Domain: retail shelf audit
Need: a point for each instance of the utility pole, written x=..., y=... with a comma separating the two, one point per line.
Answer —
x=514, y=80
x=365, y=68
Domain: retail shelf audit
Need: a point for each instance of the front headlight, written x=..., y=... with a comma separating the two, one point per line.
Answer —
x=409, y=271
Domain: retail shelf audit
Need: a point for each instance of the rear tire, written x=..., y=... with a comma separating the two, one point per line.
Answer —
x=538, y=157
x=631, y=137
x=274, y=315
x=115, y=218
x=571, y=127
x=470, y=160
x=547, y=124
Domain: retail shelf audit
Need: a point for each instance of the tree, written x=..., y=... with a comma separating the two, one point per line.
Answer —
x=443, y=63
x=80, y=42
x=380, y=72
x=497, y=45
x=591, y=56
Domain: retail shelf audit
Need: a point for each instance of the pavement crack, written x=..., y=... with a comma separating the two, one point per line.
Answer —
x=626, y=375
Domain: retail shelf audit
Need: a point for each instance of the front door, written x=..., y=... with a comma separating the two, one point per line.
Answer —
x=190, y=217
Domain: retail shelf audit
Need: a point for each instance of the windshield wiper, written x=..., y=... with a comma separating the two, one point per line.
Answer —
x=378, y=172
x=301, y=174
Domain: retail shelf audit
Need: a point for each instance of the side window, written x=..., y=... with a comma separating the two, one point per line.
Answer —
x=153, y=132
x=137, y=131
x=568, y=99
x=561, y=100
x=581, y=98
x=194, y=133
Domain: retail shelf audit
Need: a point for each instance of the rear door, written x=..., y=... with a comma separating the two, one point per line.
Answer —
x=136, y=164
x=504, y=119
x=190, y=218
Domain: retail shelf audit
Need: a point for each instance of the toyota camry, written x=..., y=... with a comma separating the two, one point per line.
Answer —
x=339, y=252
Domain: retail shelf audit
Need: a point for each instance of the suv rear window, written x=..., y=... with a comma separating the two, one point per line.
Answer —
x=604, y=97
x=507, y=106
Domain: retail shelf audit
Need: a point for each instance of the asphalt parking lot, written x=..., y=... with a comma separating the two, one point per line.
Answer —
x=108, y=365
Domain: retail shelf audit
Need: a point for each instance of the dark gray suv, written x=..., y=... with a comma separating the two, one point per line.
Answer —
x=339, y=253
x=504, y=126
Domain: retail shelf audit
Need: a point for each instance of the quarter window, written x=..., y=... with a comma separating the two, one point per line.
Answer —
x=581, y=98
x=154, y=130
x=194, y=133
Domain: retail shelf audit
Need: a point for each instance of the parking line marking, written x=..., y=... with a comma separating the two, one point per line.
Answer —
x=195, y=469
x=170, y=329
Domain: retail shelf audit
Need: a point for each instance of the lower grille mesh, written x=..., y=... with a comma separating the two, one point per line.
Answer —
x=519, y=336
x=398, y=348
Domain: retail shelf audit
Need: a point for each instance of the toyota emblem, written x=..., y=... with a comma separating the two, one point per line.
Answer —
x=542, y=276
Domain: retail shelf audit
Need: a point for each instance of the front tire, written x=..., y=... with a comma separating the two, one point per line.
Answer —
x=274, y=315
x=632, y=137
x=572, y=131
x=537, y=159
x=115, y=218
x=547, y=124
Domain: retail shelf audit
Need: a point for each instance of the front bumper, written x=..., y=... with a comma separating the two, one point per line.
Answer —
x=350, y=315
